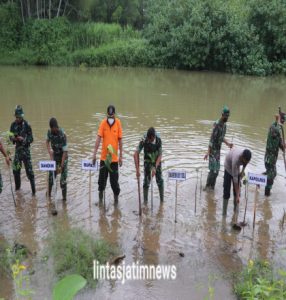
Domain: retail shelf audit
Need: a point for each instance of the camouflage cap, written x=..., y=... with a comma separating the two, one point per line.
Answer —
x=19, y=111
x=225, y=110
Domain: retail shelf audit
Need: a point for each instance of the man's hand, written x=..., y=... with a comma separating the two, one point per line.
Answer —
x=94, y=159
x=230, y=145
x=237, y=200
x=206, y=156
x=120, y=161
x=19, y=138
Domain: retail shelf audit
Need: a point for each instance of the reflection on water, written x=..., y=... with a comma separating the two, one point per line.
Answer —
x=182, y=107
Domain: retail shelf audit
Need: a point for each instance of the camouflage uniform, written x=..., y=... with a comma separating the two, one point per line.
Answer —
x=274, y=142
x=217, y=137
x=156, y=150
x=59, y=146
x=22, y=153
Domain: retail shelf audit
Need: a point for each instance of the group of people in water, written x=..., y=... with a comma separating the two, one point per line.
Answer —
x=110, y=136
x=241, y=157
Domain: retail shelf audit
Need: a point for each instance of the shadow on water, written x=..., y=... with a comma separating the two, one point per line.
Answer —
x=182, y=107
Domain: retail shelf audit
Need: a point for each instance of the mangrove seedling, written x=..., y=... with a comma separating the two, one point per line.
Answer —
x=108, y=160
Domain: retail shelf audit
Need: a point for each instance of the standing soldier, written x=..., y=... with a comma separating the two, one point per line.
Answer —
x=22, y=138
x=110, y=132
x=7, y=161
x=152, y=145
x=275, y=140
x=217, y=137
x=56, y=138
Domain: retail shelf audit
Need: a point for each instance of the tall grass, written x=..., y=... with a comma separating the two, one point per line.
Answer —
x=120, y=53
x=86, y=35
x=74, y=251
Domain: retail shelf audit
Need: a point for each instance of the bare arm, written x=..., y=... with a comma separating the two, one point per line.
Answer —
x=96, y=146
x=50, y=151
x=120, y=150
x=230, y=145
x=158, y=161
x=2, y=149
x=236, y=189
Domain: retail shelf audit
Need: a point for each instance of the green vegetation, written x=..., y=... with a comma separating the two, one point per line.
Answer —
x=11, y=262
x=237, y=36
x=258, y=281
x=11, y=255
x=74, y=251
x=68, y=287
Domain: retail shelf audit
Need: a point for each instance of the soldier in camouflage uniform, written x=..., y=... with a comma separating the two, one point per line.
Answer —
x=57, y=139
x=275, y=140
x=152, y=145
x=2, y=149
x=22, y=138
x=217, y=137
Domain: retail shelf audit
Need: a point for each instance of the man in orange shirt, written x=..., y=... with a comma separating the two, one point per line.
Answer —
x=110, y=132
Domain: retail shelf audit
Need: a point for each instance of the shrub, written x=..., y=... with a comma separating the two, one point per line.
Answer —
x=10, y=26
x=269, y=21
x=257, y=281
x=48, y=39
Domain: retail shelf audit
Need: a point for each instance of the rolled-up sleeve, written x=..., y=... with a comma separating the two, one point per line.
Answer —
x=100, y=129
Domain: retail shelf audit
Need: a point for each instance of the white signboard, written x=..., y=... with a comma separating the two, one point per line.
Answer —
x=88, y=166
x=257, y=179
x=47, y=165
x=177, y=175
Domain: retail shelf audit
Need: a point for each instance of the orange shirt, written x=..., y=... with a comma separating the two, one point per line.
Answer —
x=110, y=135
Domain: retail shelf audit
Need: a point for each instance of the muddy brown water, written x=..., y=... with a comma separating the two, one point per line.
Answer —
x=182, y=107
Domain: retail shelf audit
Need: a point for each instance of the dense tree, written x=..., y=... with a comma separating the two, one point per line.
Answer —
x=238, y=36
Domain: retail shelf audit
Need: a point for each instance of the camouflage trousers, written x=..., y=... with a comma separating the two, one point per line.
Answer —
x=22, y=155
x=271, y=174
x=1, y=183
x=147, y=175
x=64, y=175
x=214, y=166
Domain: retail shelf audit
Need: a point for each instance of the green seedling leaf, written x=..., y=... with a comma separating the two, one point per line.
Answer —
x=111, y=149
x=152, y=157
x=108, y=159
x=108, y=162
x=68, y=287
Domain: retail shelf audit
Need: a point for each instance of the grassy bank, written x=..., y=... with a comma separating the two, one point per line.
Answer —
x=73, y=252
x=259, y=281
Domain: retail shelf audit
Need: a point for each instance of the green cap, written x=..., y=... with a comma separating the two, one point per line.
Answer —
x=19, y=111
x=225, y=110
